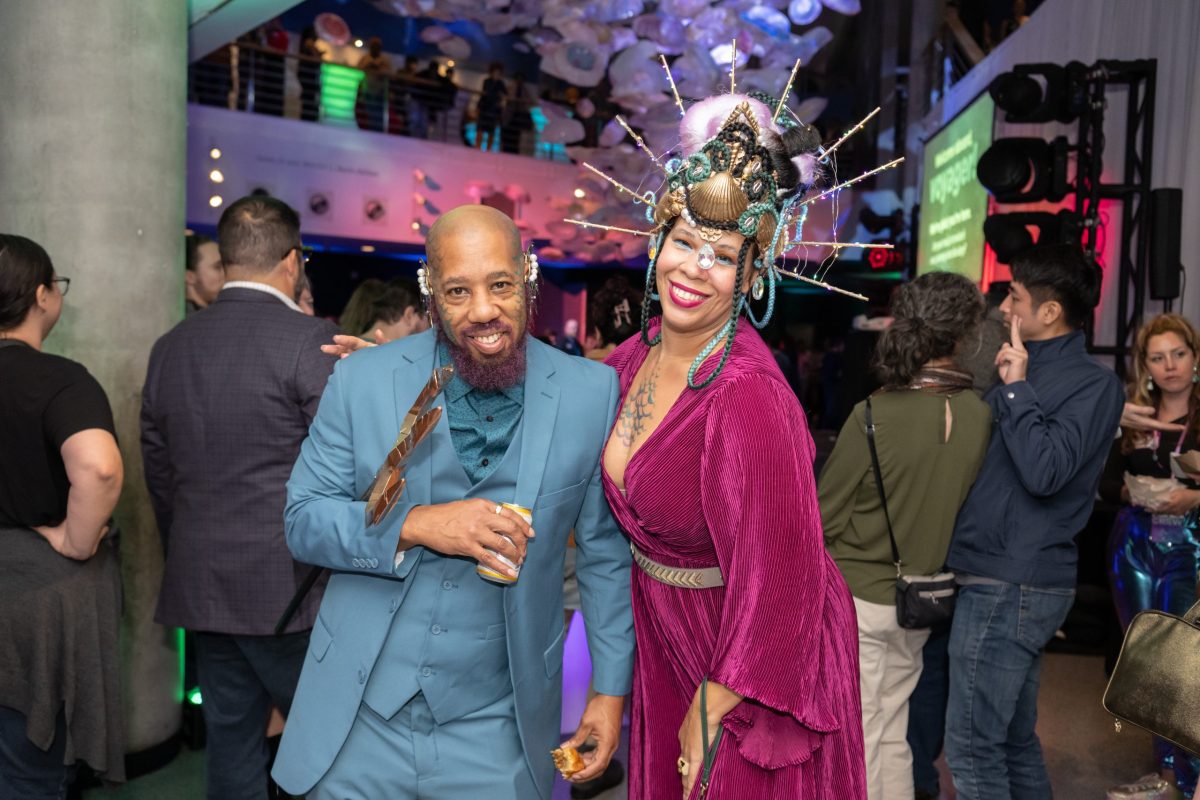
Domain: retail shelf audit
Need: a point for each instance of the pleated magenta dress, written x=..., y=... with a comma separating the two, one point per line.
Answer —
x=726, y=479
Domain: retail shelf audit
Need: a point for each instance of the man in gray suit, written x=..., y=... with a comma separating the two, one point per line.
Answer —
x=229, y=396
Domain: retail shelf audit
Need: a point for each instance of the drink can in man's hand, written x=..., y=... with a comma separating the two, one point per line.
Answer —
x=489, y=574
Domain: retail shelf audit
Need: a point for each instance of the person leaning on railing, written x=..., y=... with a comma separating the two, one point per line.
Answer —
x=60, y=594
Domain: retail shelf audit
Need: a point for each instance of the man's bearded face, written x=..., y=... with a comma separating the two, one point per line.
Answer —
x=481, y=306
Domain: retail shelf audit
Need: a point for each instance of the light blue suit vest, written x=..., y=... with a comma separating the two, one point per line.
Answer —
x=451, y=633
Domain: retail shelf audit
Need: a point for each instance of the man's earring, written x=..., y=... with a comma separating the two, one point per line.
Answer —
x=531, y=260
x=423, y=280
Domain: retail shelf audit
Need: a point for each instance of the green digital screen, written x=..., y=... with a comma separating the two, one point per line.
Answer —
x=953, y=201
x=339, y=93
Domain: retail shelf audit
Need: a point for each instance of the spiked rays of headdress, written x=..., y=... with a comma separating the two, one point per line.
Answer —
x=389, y=481
x=792, y=212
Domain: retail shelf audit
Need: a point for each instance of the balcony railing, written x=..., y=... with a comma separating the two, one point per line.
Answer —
x=263, y=81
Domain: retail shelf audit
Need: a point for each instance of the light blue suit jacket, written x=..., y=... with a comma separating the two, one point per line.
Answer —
x=568, y=413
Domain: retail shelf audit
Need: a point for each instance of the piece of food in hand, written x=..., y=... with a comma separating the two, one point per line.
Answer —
x=567, y=760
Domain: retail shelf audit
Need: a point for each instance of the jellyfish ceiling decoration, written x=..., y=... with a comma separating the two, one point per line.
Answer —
x=578, y=40
x=804, y=12
x=659, y=58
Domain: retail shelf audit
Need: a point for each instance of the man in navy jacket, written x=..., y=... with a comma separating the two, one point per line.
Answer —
x=1055, y=414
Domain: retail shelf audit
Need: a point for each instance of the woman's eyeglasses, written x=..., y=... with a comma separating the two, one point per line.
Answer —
x=63, y=285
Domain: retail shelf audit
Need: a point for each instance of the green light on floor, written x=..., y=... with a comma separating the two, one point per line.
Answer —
x=193, y=696
x=179, y=644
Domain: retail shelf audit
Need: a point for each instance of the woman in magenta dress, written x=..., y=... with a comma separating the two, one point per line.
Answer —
x=745, y=629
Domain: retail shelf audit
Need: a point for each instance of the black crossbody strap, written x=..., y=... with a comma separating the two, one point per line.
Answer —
x=879, y=486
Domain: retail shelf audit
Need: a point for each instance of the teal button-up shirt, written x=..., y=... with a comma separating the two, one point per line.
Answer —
x=482, y=424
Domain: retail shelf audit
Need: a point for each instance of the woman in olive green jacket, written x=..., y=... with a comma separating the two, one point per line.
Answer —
x=931, y=432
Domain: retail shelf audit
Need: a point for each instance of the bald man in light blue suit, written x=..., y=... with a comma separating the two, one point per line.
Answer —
x=422, y=680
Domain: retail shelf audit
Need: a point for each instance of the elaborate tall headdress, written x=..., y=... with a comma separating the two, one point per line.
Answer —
x=745, y=168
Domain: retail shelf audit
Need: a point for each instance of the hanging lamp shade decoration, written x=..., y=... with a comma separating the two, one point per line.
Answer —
x=435, y=33
x=804, y=12
x=455, y=47
x=332, y=28
x=847, y=7
x=579, y=63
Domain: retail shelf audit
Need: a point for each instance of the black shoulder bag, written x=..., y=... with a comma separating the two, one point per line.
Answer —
x=922, y=601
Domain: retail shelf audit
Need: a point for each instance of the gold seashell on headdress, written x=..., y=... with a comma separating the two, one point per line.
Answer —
x=719, y=197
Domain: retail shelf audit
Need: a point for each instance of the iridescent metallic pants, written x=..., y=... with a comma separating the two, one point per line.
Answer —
x=1145, y=574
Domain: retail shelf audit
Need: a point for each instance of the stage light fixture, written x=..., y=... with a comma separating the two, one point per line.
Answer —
x=216, y=176
x=358, y=42
x=416, y=226
x=216, y=200
x=1060, y=95
x=1025, y=169
x=368, y=248
x=215, y=153
x=580, y=194
x=1008, y=234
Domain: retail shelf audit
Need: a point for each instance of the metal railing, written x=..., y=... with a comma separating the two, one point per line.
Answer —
x=259, y=80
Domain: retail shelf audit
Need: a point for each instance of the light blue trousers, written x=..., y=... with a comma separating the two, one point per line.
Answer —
x=411, y=757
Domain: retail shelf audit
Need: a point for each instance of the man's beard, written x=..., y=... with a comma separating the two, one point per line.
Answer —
x=493, y=375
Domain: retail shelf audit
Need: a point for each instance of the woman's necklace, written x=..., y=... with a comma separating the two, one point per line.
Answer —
x=1156, y=440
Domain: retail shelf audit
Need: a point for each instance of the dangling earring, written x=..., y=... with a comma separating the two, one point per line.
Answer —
x=423, y=280
x=757, y=288
x=1195, y=377
x=1150, y=384
x=531, y=261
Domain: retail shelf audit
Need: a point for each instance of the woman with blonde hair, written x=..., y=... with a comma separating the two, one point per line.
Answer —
x=1154, y=549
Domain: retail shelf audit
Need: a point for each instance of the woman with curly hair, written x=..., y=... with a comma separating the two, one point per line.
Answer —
x=931, y=434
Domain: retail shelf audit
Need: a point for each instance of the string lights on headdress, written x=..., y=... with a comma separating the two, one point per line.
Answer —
x=671, y=80
x=745, y=168
x=641, y=144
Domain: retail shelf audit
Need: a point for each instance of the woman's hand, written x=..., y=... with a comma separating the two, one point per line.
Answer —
x=720, y=701
x=691, y=747
x=1141, y=418
x=62, y=544
x=1179, y=502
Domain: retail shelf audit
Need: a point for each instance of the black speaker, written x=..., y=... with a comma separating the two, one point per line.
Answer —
x=1166, y=220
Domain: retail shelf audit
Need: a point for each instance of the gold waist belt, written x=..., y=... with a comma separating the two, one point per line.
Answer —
x=684, y=578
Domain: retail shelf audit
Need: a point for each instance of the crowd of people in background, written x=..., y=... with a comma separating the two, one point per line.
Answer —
x=981, y=452
x=413, y=99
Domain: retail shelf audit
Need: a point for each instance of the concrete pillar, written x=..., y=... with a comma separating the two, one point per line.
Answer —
x=92, y=167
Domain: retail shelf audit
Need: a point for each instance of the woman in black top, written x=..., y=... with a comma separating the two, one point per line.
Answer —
x=60, y=475
x=1154, y=553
